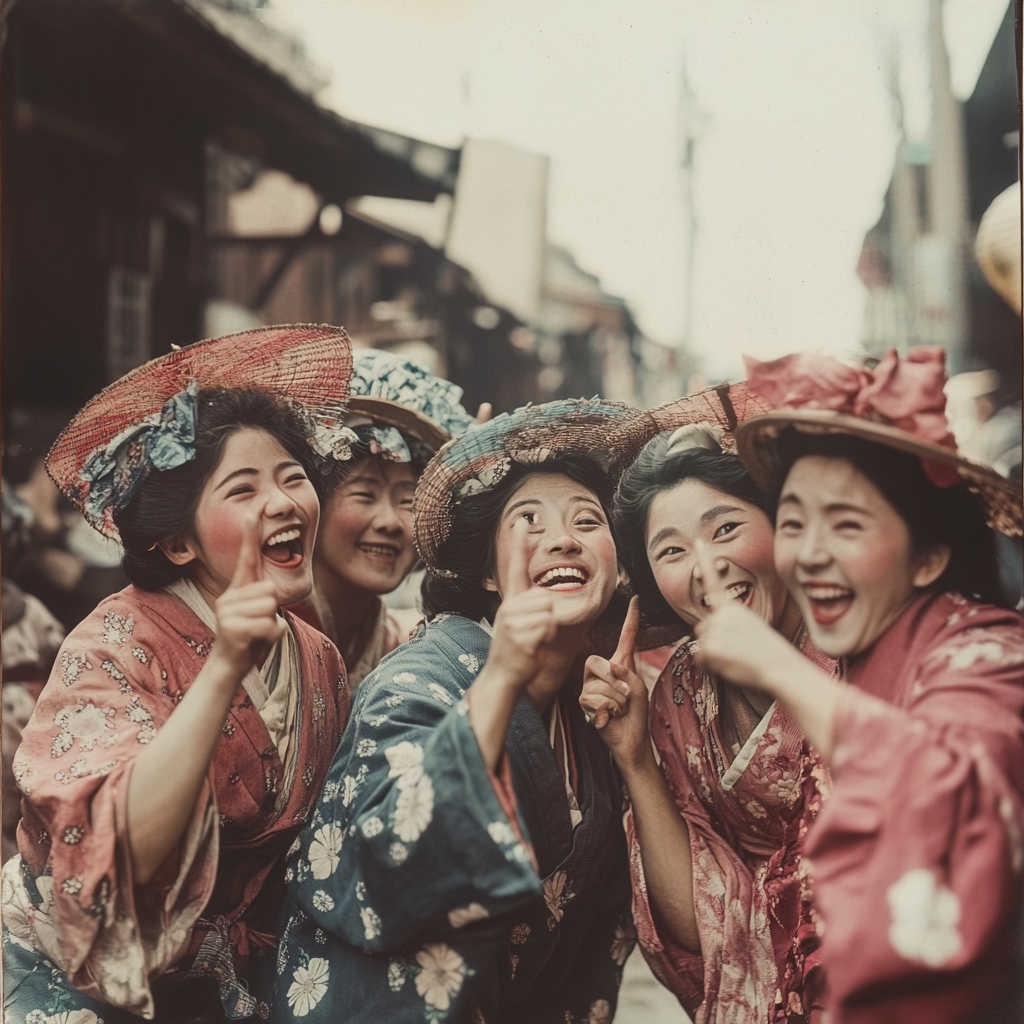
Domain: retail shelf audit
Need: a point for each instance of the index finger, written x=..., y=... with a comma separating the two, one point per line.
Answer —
x=714, y=588
x=519, y=560
x=249, y=567
x=627, y=638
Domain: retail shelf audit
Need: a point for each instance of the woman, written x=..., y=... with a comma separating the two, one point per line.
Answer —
x=717, y=831
x=881, y=538
x=399, y=416
x=182, y=738
x=466, y=862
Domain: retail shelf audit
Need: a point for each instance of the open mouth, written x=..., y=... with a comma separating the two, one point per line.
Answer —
x=380, y=552
x=562, y=577
x=829, y=602
x=742, y=591
x=284, y=549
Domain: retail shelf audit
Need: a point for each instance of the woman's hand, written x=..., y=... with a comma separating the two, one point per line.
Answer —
x=736, y=643
x=614, y=698
x=247, y=621
x=525, y=622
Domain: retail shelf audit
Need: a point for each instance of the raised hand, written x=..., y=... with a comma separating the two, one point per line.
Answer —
x=247, y=621
x=735, y=642
x=526, y=621
x=615, y=697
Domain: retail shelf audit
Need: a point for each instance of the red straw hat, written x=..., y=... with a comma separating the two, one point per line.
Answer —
x=897, y=403
x=307, y=364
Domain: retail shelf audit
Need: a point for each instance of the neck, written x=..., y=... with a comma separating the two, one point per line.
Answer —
x=558, y=662
x=790, y=622
x=349, y=606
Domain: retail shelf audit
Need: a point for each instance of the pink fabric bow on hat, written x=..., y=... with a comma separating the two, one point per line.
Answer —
x=906, y=394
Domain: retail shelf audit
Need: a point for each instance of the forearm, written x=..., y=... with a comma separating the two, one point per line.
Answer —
x=170, y=771
x=665, y=850
x=491, y=702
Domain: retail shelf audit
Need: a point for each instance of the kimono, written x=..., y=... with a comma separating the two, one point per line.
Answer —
x=426, y=888
x=747, y=812
x=385, y=630
x=72, y=916
x=917, y=854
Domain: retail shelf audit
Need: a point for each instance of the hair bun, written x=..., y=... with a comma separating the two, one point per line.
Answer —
x=696, y=435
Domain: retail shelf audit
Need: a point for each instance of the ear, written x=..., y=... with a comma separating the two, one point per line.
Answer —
x=491, y=586
x=931, y=565
x=179, y=550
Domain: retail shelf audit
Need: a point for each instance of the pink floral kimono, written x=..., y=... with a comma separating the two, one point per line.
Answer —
x=917, y=855
x=69, y=899
x=747, y=812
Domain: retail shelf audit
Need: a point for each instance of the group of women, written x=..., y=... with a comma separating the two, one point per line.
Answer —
x=817, y=813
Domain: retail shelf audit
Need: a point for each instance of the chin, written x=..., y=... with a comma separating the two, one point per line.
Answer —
x=293, y=591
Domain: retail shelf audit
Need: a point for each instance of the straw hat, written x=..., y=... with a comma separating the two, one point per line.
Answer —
x=608, y=432
x=307, y=364
x=998, y=245
x=898, y=404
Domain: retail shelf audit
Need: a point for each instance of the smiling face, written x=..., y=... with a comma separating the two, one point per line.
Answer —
x=846, y=555
x=572, y=553
x=366, y=538
x=254, y=471
x=740, y=537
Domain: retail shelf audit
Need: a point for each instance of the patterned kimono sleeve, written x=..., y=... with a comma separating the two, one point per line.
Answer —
x=916, y=857
x=70, y=895
x=723, y=885
x=409, y=839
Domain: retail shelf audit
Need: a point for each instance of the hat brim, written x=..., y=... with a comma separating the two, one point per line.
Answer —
x=310, y=364
x=608, y=432
x=407, y=420
x=756, y=438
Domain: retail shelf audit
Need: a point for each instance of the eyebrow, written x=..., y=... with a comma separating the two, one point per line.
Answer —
x=714, y=513
x=660, y=536
x=835, y=506
x=249, y=471
x=537, y=501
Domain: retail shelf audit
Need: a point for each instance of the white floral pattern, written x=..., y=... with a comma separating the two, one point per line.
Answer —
x=471, y=662
x=364, y=748
x=925, y=915
x=372, y=827
x=439, y=693
x=442, y=971
x=553, y=888
x=371, y=922
x=323, y=851
x=461, y=916
x=414, y=810
x=323, y=901
x=309, y=986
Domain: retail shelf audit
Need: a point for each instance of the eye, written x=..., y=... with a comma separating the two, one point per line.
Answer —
x=668, y=552
x=849, y=524
x=297, y=477
x=725, y=529
x=789, y=525
x=241, y=489
x=589, y=520
x=530, y=517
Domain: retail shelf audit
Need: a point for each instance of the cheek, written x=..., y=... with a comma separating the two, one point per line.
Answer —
x=344, y=522
x=219, y=533
x=757, y=554
x=784, y=557
x=879, y=567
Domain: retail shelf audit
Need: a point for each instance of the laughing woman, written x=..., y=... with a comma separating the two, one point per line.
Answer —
x=177, y=748
x=399, y=415
x=717, y=827
x=881, y=538
x=467, y=862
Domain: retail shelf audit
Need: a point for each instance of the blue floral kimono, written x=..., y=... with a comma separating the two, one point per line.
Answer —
x=414, y=892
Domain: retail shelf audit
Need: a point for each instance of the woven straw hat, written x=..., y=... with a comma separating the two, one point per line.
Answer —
x=756, y=441
x=308, y=364
x=608, y=432
x=998, y=245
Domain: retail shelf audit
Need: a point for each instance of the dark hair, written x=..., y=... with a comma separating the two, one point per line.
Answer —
x=951, y=516
x=653, y=472
x=336, y=473
x=469, y=550
x=165, y=504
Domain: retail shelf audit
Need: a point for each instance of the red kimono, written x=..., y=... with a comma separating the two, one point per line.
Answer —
x=917, y=855
x=70, y=897
x=747, y=811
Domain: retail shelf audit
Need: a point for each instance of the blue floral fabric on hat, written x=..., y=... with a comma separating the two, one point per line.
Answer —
x=164, y=440
x=397, y=378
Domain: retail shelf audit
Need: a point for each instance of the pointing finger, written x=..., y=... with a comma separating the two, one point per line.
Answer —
x=714, y=588
x=249, y=568
x=627, y=638
x=483, y=414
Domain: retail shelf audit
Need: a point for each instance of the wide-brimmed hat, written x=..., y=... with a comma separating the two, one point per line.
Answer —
x=146, y=419
x=897, y=403
x=391, y=392
x=607, y=432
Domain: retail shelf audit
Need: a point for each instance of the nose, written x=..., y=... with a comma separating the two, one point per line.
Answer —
x=280, y=504
x=562, y=541
x=812, y=552
x=721, y=567
x=387, y=518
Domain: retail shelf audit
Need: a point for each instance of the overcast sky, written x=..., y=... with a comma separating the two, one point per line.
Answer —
x=795, y=150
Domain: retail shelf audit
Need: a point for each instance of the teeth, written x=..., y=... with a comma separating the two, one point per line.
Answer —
x=562, y=571
x=827, y=593
x=736, y=591
x=283, y=538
